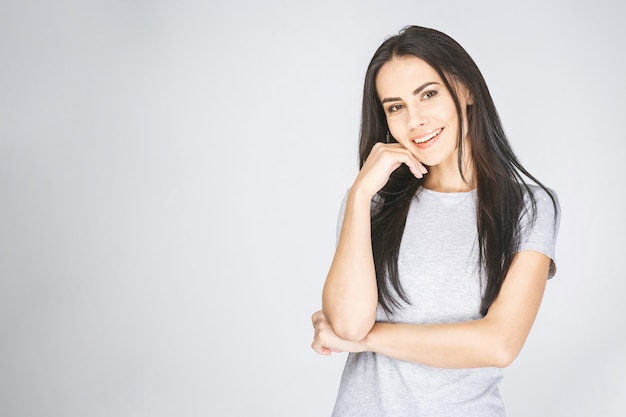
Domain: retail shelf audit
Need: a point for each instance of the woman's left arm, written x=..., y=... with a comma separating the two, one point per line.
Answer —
x=494, y=340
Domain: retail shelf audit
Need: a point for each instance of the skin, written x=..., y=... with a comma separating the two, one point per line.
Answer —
x=417, y=104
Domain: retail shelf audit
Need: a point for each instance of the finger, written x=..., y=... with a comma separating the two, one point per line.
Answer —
x=420, y=168
x=321, y=350
x=315, y=317
x=405, y=156
x=416, y=167
x=415, y=170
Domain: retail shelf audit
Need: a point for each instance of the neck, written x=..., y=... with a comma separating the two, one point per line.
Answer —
x=448, y=185
x=447, y=178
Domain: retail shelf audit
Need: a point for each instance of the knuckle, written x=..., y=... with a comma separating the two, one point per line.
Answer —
x=315, y=317
x=378, y=147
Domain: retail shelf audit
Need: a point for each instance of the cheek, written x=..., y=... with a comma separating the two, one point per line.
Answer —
x=396, y=127
x=395, y=133
x=445, y=112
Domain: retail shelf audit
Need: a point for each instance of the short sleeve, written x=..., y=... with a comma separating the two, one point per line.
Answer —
x=342, y=211
x=540, y=235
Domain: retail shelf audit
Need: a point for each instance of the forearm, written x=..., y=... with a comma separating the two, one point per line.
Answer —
x=469, y=344
x=350, y=294
x=494, y=340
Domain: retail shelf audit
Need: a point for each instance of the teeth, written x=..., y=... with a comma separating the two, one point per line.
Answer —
x=427, y=137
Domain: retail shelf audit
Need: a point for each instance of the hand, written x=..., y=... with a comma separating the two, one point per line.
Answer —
x=381, y=162
x=326, y=341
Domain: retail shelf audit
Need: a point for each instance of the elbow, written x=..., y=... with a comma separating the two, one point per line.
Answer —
x=502, y=360
x=501, y=343
x=503, y=354
x=352, y=330
x=352, y=333
x=350, y=324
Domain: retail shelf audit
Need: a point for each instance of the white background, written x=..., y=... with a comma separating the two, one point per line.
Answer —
x=171, y=171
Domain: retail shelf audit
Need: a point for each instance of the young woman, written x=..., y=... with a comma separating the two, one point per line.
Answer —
x=444, y=249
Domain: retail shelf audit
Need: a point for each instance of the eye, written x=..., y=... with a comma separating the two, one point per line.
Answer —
x=429, y=94
x=394, y=108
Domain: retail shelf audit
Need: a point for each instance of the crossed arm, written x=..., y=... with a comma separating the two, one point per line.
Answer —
x=347, y=321
x=494, y=340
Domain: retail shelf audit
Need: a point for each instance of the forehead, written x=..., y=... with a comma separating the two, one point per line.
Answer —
x=404, y=73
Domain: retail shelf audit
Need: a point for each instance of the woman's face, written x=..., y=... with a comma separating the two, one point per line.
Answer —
x=420, y=111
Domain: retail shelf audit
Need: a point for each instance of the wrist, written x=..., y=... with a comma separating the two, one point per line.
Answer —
x=368, y=342
x=358, y=195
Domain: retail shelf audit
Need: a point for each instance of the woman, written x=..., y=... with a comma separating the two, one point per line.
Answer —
x=444, y=250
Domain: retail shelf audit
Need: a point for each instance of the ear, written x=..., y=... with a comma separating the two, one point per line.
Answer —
x=464, y=91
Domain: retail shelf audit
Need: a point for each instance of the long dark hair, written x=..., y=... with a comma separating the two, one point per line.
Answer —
x=498, y=174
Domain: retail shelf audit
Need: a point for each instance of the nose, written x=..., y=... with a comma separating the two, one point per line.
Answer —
x=417, y=118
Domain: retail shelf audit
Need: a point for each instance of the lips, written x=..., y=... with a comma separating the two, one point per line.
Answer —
x=426, y=140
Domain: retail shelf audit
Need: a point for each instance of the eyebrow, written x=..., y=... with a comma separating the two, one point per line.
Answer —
x=415, y=92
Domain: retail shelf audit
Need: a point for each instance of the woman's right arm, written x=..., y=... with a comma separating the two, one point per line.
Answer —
x=350, y=294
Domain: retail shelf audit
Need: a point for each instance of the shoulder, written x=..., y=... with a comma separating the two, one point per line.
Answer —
x=542, y=201
x=539, y=223
x=546, y=194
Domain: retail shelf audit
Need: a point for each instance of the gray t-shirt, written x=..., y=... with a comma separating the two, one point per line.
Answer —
x=438, y=269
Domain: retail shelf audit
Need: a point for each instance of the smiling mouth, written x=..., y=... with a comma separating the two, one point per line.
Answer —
x=428, y=137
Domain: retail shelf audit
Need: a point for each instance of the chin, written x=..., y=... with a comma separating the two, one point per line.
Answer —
x=434, y=159
x=430, y=162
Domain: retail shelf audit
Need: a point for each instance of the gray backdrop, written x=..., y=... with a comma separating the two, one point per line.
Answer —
x=170, y=174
